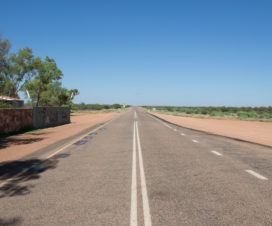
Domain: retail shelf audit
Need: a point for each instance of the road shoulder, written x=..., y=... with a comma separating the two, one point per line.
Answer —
x=253, y=132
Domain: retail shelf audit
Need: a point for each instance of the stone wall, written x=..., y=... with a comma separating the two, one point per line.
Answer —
x=50, y=116
x=12, y=120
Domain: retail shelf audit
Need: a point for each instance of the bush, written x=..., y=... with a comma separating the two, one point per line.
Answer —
x=5, y=105
x=217, y=114
x=240, y=112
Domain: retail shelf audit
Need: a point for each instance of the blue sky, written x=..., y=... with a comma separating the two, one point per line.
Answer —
x=189, y=53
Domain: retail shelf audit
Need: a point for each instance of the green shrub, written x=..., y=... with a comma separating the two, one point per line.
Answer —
x=5, y=105
x=242, y=114
x=217, y=114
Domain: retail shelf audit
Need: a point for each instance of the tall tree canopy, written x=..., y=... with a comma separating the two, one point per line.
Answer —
x=18, y=71
x=4, y=50
x=39, y=78
x=46, y=73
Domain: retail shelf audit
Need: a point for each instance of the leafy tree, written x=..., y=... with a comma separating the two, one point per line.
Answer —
x=39, y=78
x=62, y=96
x=4, y=50
x=18, y=71
x=46, y=73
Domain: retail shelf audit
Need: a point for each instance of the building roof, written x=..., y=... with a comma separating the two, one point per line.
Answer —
x=9, y=98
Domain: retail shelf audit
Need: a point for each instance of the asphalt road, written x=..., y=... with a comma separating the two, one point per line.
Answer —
x=139, y=170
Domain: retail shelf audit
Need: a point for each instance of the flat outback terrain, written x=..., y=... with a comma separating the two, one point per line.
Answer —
x=137, y=170
x=16, y=147
x=252, y=131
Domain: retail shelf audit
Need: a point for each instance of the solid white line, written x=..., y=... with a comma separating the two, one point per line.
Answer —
x=66, y=146
x=182, y=134
x=76, y=139
x=195, y=141
x=259, y=176
x=146, y=209
x=133, y=207
x=216, y=153
x=135, y=115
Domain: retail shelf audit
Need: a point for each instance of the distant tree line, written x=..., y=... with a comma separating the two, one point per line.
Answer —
x=39, y=79
x=83, y=106
x=239, y=112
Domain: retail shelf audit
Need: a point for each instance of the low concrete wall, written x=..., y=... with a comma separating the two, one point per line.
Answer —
x=50, y=116
x=12, y=120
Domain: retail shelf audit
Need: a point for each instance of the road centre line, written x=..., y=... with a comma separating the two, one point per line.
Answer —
x=216, y=153
x=135, y=115
x=146, y=209
x=133, y=206
x=195, y=141
x=253, y=173
x=182, y=134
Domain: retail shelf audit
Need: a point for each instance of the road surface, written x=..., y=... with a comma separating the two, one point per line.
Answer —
x=140, y=170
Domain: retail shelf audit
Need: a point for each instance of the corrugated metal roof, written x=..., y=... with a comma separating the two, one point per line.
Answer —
x=9, y=98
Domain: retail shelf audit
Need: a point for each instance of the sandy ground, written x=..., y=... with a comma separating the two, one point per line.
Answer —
x=257, y=132
x=16, y=147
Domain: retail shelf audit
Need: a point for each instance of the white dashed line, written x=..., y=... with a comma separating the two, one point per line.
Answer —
x=135, y=114
x=175, y=130
x=259, y=176
x=216, y=153
x=195, y=141
x=162, y=122
x=182, y=134
x=167, y=125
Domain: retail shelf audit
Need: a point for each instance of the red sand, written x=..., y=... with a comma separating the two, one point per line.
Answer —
x=257, y=132
x=16, y=147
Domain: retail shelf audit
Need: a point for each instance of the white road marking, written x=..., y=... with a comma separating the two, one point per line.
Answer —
x=133, y=207
x=182, y=134
x=146, y=209
x=216, y=153
x=135, y=114
x=76, y=139
x=259, y=176
x=152, y=116
x=195, y=141
x=163, y=123
x=64, y=147
x=167, y=125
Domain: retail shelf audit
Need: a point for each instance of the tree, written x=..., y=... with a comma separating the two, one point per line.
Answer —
x=64, y=96
x=4, y=50
x=21, y=71
x=46, y=73
x=60, y=96
x=18, y=71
